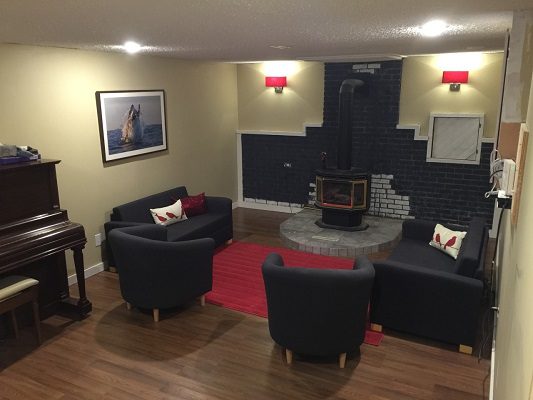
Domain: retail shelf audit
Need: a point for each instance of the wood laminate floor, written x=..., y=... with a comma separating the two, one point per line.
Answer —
x=212, y=353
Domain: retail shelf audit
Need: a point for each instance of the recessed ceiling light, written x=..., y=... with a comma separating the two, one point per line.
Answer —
x=280, y=47
x=433, y=28
x=132, y=47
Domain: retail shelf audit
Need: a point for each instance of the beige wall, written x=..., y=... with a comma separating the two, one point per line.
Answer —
x=47, y=100
x=422, y=91
x=260, y=109
x=514, y=336
x=513, y=374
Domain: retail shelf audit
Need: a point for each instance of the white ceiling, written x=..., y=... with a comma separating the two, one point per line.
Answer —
x=244, y=30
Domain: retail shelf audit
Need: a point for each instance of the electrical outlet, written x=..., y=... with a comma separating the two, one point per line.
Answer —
x=98, y=239
x=287, y=165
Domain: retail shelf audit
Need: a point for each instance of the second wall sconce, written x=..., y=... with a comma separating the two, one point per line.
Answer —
x=277, y=82
x=455, y=78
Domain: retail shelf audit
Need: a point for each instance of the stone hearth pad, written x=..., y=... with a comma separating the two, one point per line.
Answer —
x=300, y=232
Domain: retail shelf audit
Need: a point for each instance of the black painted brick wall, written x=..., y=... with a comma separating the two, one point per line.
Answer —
x=445, y=192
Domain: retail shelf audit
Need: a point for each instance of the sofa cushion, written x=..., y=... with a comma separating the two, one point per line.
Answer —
x=198, y=226
x=470, y=259
x=425, y=256
x=169, y=215
x=447, y=240
x=194, y=205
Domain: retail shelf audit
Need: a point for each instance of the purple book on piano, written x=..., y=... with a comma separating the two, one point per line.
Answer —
x=13, y=160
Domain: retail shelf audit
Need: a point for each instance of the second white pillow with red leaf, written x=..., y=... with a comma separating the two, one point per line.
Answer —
x=447, y=240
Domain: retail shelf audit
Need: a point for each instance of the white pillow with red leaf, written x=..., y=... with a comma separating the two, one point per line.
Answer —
x=168, y=215
x=447, y=240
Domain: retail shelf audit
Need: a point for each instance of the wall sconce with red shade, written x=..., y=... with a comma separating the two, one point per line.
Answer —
x=277, y=82
x=455, y=78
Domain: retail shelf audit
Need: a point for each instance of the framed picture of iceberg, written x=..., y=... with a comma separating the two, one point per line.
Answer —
x=131, y=123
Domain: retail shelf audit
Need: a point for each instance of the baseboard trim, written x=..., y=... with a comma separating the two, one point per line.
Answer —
x=269, y=207
x=301, y=133
x=492, y=367
x=95, y=269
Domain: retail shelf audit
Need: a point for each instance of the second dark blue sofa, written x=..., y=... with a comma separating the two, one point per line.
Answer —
x=423, y=291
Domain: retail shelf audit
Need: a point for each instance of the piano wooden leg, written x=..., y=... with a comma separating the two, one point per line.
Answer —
x=37, y=320
x=14, y=323
x=81, y=306
x=84, y=305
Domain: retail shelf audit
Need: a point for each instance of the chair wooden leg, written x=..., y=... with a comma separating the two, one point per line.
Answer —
x=156, y=314
x=202, y=300
x=288, y=354
x=376, y=327
x=465, y=349
x=14, y=323
x=37, y=321
x=342, y=360
x=128, y=306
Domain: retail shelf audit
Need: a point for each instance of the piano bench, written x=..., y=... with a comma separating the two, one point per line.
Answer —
x=18, y=290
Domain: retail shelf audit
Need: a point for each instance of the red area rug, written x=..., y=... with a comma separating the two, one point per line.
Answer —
x=238, y=281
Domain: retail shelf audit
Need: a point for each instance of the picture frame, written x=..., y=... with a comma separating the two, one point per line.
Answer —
x=131, y=122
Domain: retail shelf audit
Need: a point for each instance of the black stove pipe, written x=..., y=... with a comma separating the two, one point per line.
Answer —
x=344, y=146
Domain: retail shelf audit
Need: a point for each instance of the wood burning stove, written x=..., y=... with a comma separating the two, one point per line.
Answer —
x=343, y=197
x=343, y=193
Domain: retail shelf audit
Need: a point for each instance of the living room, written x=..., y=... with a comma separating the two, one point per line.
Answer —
x=48, y=101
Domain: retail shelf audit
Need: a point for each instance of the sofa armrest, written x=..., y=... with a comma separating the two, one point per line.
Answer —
x=219, y=204
x=418, y=229
x=147, y=231
x=274, y=259
x=427, y=302
x=110, y=225
x=471, y=256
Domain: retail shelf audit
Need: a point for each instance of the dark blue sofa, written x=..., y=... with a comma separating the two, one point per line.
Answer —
x=423, y=291
x=217, y=223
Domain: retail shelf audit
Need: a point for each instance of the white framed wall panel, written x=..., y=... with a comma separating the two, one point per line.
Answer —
x=455, y=138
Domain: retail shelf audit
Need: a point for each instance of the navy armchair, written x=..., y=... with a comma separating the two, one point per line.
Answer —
x=157, y=274
x=319, y=312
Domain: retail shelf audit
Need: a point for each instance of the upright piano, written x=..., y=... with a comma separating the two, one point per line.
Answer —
x=35, y=233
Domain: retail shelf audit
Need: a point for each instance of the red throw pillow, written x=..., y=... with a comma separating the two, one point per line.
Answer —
x=194, y=205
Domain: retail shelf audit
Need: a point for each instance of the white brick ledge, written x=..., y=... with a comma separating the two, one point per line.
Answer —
x=417, y=136
x=301, y=133
x=415, y=127
x=259, y=204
